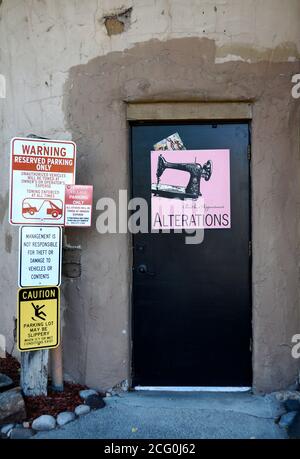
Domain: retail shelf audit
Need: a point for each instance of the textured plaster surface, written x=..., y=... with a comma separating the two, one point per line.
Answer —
x=95, y=111
x=66, y=78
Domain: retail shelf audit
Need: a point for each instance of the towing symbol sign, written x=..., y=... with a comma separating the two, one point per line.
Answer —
x=38, y=318
x=40, y=169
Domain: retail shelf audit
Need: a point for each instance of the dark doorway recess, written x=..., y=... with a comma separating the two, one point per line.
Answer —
x=192, y=305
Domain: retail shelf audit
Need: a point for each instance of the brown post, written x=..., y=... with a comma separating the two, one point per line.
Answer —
x=57, y=381
x=56, y=355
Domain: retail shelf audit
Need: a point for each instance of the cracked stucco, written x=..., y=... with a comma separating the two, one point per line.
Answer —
x=44, y=38
x=66, y=78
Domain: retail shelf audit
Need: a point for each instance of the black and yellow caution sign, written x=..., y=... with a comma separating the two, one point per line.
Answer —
x=38, y=318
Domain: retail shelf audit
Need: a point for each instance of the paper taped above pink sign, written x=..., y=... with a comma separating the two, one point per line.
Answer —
x=190, y=189
x=78, y=205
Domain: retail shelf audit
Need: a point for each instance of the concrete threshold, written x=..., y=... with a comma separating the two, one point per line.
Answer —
x=179, y=415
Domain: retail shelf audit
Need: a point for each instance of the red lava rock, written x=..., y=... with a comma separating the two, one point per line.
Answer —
x=53, y=404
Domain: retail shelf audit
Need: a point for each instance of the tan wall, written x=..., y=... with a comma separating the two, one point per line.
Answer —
x=66, y=78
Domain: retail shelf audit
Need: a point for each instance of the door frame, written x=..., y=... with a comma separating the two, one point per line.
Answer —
x=201, y=112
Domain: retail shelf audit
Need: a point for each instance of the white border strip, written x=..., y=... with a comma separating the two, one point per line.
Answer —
x=191, y=389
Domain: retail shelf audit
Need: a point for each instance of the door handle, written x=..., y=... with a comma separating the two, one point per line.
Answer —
x=143, y=269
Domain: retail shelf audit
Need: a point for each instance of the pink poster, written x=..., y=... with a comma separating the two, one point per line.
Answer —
x=190, y=189
x=78, y=205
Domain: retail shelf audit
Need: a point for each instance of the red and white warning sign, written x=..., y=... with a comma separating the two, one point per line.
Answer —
x=78, y=205
x=40, y=169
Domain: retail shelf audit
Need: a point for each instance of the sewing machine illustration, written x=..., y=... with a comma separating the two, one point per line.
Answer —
x=192, y=190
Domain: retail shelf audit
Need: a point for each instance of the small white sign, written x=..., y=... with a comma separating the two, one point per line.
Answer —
x=40, y=253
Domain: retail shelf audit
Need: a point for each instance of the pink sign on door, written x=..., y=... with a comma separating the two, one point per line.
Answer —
x=190, y=189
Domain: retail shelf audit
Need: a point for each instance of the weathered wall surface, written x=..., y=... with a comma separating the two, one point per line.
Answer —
x=71, y=66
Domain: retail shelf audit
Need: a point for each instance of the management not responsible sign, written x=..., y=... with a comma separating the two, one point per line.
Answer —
x=40, y=256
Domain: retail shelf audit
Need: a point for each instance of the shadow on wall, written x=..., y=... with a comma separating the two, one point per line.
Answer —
x=185, y=69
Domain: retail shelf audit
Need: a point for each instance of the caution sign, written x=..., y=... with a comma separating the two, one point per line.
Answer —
x=38, y=318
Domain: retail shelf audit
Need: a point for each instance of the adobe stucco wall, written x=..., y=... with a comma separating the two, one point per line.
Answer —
x=68, y=78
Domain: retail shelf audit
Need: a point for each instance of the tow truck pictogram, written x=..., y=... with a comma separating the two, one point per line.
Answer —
x=41, y=209
x=54, y=210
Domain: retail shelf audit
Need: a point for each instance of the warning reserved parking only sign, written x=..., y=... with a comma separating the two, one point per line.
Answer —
x=40, y=169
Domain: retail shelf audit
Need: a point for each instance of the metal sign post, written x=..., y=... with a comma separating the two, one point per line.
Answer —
x=38, y=330
x=43, y=199
x=39, y=171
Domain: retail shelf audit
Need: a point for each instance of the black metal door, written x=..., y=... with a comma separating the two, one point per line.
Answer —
x=192, y=306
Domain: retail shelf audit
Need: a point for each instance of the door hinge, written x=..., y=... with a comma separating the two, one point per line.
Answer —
x=250, y=248
x=249, y=152
x=250, y=347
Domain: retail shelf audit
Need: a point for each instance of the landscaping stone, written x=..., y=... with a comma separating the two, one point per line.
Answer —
x=95, y=402
x=44, y=422
x=12, y=406
x=80, y=410
x=283, y=396
x=84, y=394
x=292, y=405
x=287, y=419
x=5, y=382
x=5, y=430
x=21, y=434
x=65, y=418
x=113, y=393
x=294, y=429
